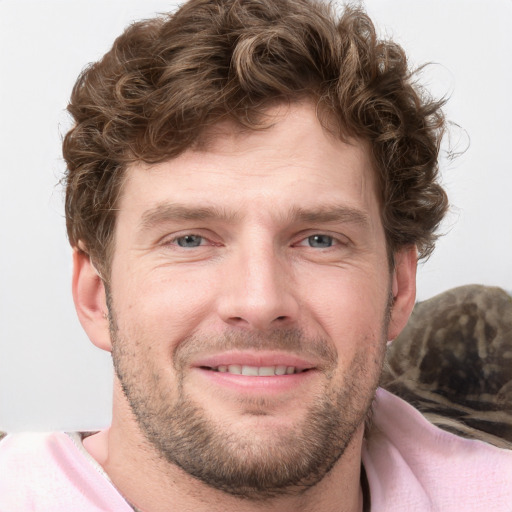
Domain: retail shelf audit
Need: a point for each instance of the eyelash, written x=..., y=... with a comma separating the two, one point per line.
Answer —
x=333, y=240
x=175, y=240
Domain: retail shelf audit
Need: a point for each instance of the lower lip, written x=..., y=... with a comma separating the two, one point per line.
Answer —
x=257, y=385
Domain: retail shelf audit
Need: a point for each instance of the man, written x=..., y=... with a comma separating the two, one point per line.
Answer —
x=249, y=186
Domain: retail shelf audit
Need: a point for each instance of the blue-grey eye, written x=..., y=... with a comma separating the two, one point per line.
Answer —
x=189, y=241
x=320, y=241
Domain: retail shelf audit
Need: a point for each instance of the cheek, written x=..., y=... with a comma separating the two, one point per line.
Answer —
x=163, y=306
x=350, y=308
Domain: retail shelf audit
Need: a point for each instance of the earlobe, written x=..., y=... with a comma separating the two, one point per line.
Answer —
x=90, y=300
x=403, y=288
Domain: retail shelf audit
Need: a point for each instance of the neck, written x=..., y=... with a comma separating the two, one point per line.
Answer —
x=151, y=484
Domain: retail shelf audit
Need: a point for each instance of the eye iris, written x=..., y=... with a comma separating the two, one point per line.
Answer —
x=189, y=241
x=320, y=241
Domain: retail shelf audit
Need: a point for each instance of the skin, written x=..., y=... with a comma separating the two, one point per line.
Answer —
x=257, y=271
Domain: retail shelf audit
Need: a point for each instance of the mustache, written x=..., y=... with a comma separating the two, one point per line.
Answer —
x=291, y=340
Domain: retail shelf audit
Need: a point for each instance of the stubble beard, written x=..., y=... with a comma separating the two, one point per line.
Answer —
x=252, y=465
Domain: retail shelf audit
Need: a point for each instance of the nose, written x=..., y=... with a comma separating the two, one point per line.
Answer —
x=258, y=290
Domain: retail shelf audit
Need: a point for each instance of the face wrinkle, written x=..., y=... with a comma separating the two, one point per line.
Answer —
x=183, y=435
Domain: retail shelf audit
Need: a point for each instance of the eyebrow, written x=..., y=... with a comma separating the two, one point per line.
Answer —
x=172, y=212
x=326, y=214
x=169, y=212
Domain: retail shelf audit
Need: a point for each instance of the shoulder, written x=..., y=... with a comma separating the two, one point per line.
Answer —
x=33, y=455
x=27, y=444
x=48, y=471
x=27, y=466
x=412, y=462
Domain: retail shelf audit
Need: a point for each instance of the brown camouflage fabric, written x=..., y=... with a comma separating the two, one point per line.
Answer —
x=453, y=362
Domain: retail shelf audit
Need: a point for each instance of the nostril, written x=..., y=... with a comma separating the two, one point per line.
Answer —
x=237, y=320
x=281, y=318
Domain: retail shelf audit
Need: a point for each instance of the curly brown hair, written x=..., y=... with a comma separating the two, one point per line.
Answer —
x=167, y=79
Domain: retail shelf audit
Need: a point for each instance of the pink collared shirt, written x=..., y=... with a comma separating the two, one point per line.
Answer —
x=411, y=466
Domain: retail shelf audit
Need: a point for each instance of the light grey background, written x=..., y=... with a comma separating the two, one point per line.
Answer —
x=51, y=377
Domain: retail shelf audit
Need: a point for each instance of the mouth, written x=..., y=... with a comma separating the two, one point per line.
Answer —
x=256, y=371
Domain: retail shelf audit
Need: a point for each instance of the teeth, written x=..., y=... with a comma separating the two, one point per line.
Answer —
x=250, y=370
x=253, y=371
x=267, y=371
x=280, y=370
x=235, y=368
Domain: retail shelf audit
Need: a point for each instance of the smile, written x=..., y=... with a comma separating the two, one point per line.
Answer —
x=257, y=371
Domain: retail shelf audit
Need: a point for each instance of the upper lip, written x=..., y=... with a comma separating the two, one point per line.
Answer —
x=254, y=358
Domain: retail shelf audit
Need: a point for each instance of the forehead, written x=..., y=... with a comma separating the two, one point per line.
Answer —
x=290, y=129
x=293, y=162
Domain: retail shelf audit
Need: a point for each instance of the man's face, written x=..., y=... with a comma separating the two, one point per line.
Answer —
x=249, y=301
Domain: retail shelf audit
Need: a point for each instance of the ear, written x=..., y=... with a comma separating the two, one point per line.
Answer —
x=403, y=289
x=90, y=300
